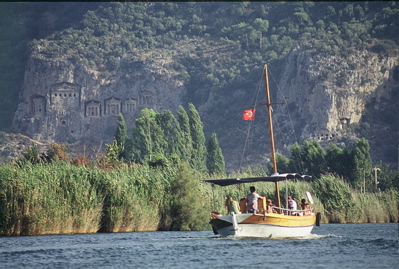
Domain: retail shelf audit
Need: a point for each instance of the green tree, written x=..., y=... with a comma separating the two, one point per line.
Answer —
x=147, y=136
x=387, y=177
x=308, y=158
x=215, y=160
x=121, y=135
x=31, y=155
x=198, y=155
x=362, y=166
x=262, y=26
x=314, y=157
x=334, y=156
x=171, y=131
x=112, y=157
x=296, y=159
x=282, y=163
x=185, y=147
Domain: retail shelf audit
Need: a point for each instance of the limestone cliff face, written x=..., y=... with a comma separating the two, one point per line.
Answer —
x=327, y=93
x=66, y=102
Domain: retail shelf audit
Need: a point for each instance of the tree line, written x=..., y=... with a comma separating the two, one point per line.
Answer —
x=158, y=138
x=355, y=165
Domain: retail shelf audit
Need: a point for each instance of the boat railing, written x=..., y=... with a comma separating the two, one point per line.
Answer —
x=289, y=212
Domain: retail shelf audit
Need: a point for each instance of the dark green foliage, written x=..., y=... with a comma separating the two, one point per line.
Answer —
x=386, y=178
x=148, y=137
x=215, y=160
x=338, y=161
x=282, y=164
x=187, y=203
x=113, y=155
x=120, y=136
x=355, y=166
x=186, y=145
x=31, y=155
x=198, y=155
x=362, y=166
x=161, y=136
x=171, y=131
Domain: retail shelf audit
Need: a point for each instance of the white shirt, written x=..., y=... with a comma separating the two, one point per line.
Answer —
x=292, y=205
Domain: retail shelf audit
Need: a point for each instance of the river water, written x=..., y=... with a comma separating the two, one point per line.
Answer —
x=330, y=246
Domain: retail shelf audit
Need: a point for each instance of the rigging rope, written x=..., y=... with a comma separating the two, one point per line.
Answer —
x=291, y=125
x=246, y=144
x=298, y=157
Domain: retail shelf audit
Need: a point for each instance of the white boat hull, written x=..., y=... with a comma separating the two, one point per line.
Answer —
x=269, y=226
x=265, y=230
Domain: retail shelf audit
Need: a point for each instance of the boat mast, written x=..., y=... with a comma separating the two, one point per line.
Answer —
x=269, y=114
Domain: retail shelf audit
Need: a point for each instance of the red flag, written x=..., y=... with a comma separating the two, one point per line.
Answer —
x=249, y=114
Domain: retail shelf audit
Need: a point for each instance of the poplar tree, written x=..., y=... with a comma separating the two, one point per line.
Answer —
x=296, y=159
x=339, y=161
x=314, y=158
x=215, y=160
x=198, y=155
x=362, y=165
x=148, y=137
x=171, y=131
x=185, y=145
x=121, y=131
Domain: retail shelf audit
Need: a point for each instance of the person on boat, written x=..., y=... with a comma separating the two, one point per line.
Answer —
x=269, y=206
x=232, y=206
x=291, y=205
x=305, y=206
x=252, y=200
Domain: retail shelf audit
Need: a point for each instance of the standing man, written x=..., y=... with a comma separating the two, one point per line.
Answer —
x=252, y=200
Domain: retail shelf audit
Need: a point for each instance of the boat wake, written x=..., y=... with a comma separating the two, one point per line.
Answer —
x=319, y=236
x=309, y=237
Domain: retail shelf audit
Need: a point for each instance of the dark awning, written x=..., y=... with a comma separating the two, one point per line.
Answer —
x=273, y=178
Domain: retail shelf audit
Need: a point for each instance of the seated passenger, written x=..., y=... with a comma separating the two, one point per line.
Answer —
x=305, y=206
x=232, y=206
x=269, y=206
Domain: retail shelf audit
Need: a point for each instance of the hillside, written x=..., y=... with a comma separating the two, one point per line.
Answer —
x=336, y=62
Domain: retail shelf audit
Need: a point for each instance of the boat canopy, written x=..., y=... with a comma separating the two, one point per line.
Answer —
x=273, y=178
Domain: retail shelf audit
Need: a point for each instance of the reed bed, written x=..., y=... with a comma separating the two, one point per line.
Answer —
x=47, y=199
x=60, y=198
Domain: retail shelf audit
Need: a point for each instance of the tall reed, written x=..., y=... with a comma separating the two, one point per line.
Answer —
x=61, y=198
x=47, y=199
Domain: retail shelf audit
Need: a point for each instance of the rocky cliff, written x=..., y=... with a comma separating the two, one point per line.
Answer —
x=329, y=93
x=70, y=103
x=326, y=97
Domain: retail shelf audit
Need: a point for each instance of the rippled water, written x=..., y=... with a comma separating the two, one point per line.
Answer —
x=330, y=246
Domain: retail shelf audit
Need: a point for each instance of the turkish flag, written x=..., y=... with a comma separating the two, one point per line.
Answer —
x=249, y=114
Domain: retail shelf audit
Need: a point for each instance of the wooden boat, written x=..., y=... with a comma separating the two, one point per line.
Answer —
x=268, y=223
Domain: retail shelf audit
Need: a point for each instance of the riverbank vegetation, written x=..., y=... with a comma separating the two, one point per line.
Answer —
x=153, y=181
x=61, y=198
